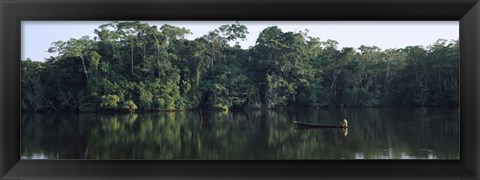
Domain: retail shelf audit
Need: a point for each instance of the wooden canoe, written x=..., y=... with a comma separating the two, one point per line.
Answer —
x=309, y=125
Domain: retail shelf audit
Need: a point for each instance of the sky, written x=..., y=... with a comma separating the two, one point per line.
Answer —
x=37, y=36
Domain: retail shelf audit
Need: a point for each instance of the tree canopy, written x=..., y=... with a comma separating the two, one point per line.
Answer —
x=133, y=66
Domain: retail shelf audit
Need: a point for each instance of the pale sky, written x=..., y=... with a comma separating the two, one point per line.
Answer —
x=37, y=36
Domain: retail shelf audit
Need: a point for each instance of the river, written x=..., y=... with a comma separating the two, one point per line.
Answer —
x=373, y=133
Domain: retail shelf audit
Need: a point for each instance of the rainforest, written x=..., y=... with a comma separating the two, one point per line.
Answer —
x=133, y=66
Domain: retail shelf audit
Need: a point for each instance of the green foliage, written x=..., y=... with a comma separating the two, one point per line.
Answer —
x=33, y=93
x=146, y=99
x=129, y=105
x=109, y=101
x=94, y=61
x=134, y=66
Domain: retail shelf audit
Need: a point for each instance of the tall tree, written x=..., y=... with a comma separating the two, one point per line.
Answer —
x=73, y=48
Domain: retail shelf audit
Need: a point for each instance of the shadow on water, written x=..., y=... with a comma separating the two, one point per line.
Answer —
x=373, y=133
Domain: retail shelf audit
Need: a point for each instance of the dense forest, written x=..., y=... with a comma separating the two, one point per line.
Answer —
x=133, y=66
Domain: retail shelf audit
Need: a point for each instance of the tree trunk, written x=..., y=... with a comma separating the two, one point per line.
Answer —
x=113, y=51
x=334, y=79
x=158, y=44
x=213, y=59
x=197, y=75
x=131, y=59
x=144, y=54
x=385, y=83
x=84, y=67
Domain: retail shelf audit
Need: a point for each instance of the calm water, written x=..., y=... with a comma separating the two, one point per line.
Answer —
x=373, y=133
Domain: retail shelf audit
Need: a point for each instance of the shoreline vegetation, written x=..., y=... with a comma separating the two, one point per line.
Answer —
x=135, y=67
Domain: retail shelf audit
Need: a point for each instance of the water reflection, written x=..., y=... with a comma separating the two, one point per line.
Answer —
x=374, y=133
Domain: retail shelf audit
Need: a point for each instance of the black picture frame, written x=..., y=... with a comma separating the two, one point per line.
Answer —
x=12, y=12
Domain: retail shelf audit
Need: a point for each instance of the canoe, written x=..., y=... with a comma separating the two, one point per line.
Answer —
x=309, y=125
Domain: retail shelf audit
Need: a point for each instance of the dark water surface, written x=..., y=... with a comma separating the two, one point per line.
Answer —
x=373, y=133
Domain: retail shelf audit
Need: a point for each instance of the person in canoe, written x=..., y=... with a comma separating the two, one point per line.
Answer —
x=344, y=131
x=344, y=123
x=341, y=124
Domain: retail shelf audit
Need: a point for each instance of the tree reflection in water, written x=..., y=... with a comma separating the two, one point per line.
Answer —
x=373, y=133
